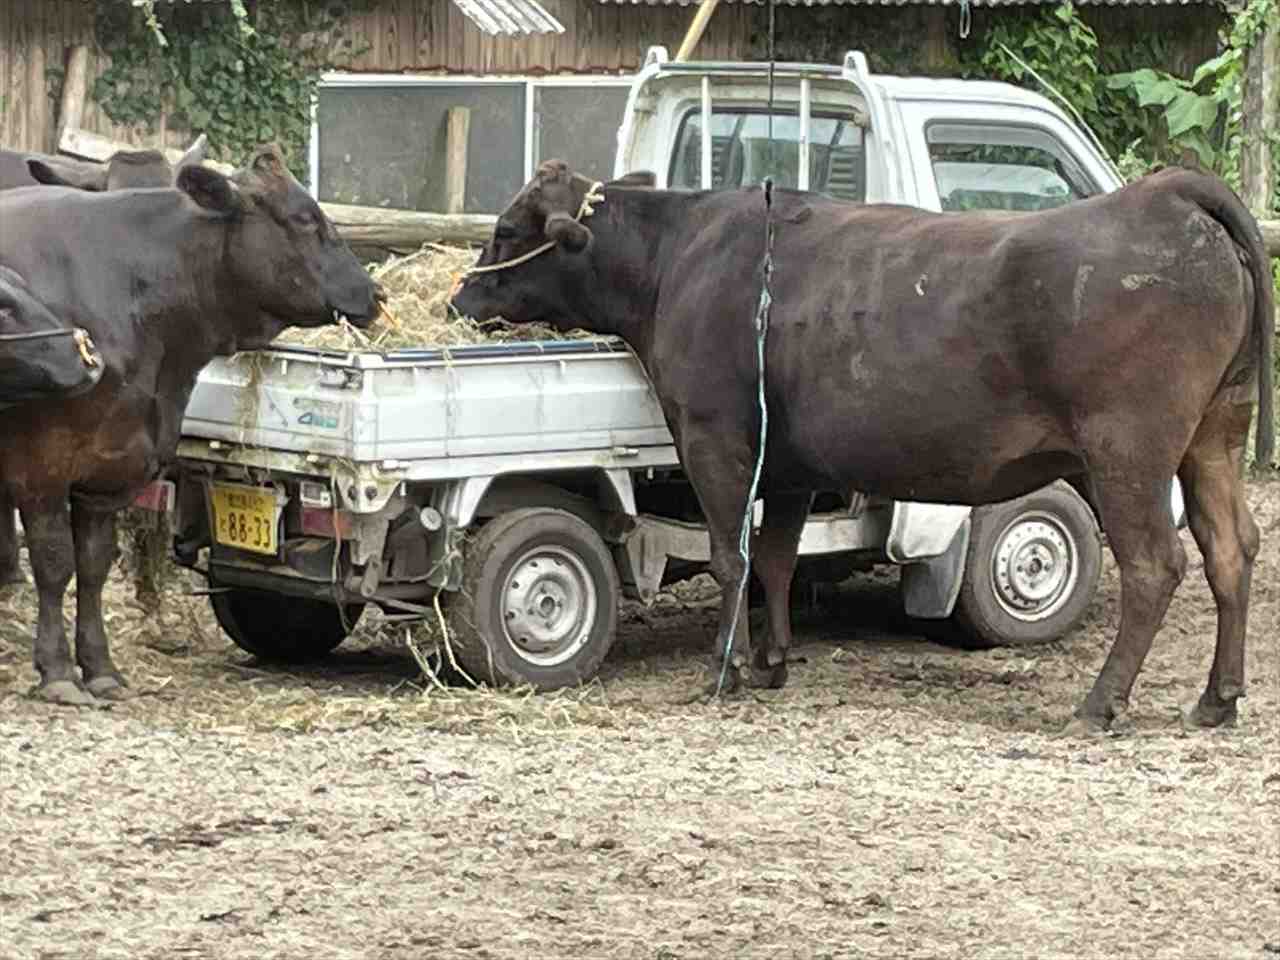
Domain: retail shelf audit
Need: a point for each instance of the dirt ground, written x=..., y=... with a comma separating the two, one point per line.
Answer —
x=898, y=799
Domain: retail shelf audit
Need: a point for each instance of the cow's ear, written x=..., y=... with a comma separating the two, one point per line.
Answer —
x=211, y=190
x=567, y=232
x=637, y=178
x=80, y=176
x=268, y=161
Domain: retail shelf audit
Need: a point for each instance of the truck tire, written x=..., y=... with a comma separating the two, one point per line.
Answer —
x=1031, y=571
x=286, y=629
x=539, y=601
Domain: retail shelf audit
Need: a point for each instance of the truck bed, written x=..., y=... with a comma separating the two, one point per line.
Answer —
x=438, y=410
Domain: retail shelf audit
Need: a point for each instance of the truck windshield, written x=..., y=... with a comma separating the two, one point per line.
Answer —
x=740, y=152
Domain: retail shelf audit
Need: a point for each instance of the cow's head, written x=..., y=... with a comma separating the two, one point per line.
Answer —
x=549, y=212
x=127, y=169
x=40, y=356
x=283, y=255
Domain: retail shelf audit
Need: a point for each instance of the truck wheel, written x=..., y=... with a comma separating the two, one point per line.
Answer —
x=1032, y=569
x=539, y=601
x=283, y=628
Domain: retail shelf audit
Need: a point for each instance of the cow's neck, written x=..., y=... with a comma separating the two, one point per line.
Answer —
x=633, y=230
x=181, y=296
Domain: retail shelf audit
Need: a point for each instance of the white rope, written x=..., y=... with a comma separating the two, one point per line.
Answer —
x=594, y=196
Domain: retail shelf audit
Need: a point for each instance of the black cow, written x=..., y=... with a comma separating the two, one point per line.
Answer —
x=164, y=280
x=39, y=355
x=931, y=357
x=125, y=169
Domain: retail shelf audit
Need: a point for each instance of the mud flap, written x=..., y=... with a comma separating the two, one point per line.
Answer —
x=930, y=587
x=919, y=531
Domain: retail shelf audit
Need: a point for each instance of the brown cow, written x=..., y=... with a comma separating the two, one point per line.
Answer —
x=164, y=280
x=931, y=357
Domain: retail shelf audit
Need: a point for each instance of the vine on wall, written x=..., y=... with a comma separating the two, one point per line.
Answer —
x=240, y=73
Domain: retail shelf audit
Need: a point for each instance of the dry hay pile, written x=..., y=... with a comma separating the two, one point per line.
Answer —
x=416, y=312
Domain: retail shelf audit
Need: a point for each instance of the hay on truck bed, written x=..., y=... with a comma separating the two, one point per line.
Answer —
x=416, y=313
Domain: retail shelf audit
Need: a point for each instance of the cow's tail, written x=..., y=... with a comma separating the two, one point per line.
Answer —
x=1217, y=200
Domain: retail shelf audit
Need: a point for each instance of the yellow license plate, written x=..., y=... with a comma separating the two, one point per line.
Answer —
x=245, y=517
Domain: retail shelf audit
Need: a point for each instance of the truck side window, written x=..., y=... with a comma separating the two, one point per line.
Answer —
x=1003, y=167
x=740, y=152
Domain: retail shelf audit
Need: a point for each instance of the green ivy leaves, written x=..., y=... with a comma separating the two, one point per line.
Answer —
x=240, y=77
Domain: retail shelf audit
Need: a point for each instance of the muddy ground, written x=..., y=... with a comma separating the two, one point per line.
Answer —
x=898, y=799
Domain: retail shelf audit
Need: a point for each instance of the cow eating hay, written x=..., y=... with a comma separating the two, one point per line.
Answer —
x=1116, y=341
x=163, y=280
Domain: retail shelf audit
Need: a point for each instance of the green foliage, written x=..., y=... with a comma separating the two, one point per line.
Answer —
x=1190, y=112
x=241, y=79
x=1056, y=43
x=1204, y=113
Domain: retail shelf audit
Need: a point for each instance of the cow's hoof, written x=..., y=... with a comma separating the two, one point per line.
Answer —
x=720, y=687
x=770, y=678
x=1084, y=727
x=110, y=688
x=67, y=693
x=1206, y=715
x=12, y=577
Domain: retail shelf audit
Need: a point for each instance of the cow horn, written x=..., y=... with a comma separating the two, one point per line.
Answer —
x=196, y=152
x=567, y=232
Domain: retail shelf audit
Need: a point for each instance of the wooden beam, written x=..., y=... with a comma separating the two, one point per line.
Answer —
x=403, y=231
x=696, y=28
x=458, y=125
x=1261, y=120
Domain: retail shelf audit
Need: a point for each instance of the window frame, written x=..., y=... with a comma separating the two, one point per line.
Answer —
x=337, y=80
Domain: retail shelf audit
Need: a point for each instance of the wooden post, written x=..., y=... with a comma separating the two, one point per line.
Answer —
x=936, y=52
x=457, y=126
x=1261, y=110
x=75, y=87
x=696, y=28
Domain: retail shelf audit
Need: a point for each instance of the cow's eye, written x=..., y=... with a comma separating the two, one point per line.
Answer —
x=305, y=221
x=504, y=231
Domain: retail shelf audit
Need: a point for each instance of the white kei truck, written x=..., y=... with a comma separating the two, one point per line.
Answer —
x=527, y=487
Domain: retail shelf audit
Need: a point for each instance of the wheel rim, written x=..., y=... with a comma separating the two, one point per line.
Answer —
x=548, y=605
x=1034, y=567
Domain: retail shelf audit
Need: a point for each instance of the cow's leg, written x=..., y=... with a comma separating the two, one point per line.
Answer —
x=774, y=559
x=95, y=538
x=719, y=468
x=1228, y=538
x=1136, y=517
x=10, y=570
x=50, y=547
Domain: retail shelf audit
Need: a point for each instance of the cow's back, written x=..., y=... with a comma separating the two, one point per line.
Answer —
x=902, y=330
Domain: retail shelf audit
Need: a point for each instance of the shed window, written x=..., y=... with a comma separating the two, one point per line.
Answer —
x=381, y=141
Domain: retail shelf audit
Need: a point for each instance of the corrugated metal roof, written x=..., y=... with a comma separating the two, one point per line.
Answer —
x=918, y=3
x=510, y=17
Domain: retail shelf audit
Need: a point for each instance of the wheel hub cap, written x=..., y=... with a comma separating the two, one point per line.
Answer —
x=548, y=605
x=1034, y=567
